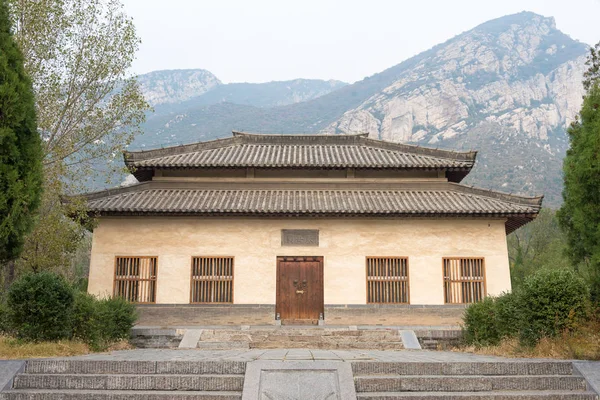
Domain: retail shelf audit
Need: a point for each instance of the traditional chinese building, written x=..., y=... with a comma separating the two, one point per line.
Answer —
x=343, y=228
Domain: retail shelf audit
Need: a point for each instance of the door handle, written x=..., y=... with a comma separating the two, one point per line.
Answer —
x=299, y=291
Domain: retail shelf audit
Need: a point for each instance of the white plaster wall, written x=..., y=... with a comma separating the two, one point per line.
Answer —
x=255, y=244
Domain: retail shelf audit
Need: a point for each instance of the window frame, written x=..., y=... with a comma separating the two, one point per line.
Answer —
x=402, y=279
x=483, y=278
x=192, y=280
x=151, y=280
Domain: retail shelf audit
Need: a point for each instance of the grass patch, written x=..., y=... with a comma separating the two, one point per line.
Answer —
x=583, y=343
x=12, y=348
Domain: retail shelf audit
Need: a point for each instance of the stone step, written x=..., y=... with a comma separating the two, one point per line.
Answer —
x=323, y=339
x=155, y=338
x=321, y=345
x=288, y=341
x=45, y=394
x=498, y=395
x=264, y=334
x=130, y=382
x=461, y=383
x=134, y=367
x=223, y=345
x=463, y=368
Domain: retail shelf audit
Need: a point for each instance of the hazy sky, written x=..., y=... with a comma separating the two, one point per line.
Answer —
x=266, y=40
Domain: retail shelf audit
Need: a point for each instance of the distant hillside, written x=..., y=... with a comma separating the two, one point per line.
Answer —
x=175, y=86
x=268, y=94
x=508, y=87
x=174, y=90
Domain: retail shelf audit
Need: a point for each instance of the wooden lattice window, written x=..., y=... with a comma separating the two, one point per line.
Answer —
x=135, y=279
x=212, y=280
x=464, y=280
x=387, y=280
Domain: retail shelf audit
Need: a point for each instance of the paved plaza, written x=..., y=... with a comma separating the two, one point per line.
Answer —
x=292, y=355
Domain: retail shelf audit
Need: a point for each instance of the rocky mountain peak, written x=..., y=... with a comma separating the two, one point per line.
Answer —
x=173, y=86
x=517, y=78
x=523, y=19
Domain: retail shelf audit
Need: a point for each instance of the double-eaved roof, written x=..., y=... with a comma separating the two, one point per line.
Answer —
x=244, y=150
x=344, y=198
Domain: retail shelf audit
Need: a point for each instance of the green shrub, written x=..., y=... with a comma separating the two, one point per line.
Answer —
x=4, y=323
x=101, y=322
x=40, y=306
x=118, y=317
x=84, y=320
x=551, y=301
x=480, y=323
x=508, y=314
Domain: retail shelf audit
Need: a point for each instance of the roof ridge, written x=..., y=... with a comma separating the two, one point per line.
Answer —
x=510, y=197
x=422, y=150
x=141, y=155
x=242, y=133
x=98, y=194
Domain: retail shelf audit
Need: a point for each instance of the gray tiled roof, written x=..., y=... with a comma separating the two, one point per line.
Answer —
x=301, y=151
x=453, y=200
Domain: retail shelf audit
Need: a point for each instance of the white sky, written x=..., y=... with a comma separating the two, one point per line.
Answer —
x=266, y=40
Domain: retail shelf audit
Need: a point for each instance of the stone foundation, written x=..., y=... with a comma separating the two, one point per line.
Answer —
x=264, y=314
x=393, y=315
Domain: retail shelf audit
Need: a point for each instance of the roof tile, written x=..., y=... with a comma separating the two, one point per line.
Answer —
x=291, y=201
x=302, y=151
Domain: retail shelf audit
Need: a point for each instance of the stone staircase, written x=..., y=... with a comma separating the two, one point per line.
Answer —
x=520, y=380
x=224, y=380
x=300, y=338
x=128, y=380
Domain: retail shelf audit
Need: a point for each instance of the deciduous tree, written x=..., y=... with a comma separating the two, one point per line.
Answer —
x=539, y=244
x=78, y=53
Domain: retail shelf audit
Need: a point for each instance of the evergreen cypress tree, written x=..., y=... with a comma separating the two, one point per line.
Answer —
x=20, y=146
x=580, y=214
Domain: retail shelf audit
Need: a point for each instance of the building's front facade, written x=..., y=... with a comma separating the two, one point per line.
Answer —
x=256, y=228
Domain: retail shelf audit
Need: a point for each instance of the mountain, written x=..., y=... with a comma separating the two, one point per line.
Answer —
x=188, y=88
x=269, y=94
x=175, y=86
x=508, y=88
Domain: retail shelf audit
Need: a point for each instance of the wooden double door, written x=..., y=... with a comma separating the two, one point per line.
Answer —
x=299, y=289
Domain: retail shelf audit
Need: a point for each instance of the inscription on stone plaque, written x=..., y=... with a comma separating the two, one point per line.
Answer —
x=300, y=237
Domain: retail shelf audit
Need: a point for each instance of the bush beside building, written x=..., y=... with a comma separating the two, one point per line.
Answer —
x=44, y=306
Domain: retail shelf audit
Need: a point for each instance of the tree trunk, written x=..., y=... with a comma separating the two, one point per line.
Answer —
x=9, y=274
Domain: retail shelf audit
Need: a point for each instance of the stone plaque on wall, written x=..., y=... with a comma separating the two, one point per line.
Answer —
x=300, y=237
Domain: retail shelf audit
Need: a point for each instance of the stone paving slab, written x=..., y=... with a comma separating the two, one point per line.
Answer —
x=299, y=380
x=409, y=339
x=292, y=355
x=8, y=369
x=190, y=339
x=591, y=372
